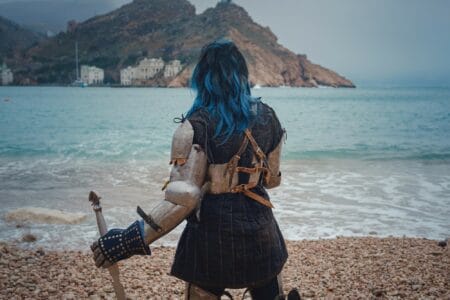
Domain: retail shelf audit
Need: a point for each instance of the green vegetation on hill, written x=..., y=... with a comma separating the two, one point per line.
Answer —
x=14, y=39
x=169, y=29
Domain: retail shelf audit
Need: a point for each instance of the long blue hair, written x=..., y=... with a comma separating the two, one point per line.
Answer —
x=220, y=80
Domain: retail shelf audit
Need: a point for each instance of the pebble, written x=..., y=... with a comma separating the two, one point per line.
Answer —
x=29, y=238
x=442, y=244
x=345, y=268
x=69, y=296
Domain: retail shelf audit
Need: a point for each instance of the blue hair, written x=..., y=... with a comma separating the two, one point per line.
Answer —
x=220, y=80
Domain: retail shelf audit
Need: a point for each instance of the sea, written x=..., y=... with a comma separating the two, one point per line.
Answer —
x=357, y=162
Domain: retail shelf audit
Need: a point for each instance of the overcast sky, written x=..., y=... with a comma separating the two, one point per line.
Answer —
x=399, y=41
x=385, y=41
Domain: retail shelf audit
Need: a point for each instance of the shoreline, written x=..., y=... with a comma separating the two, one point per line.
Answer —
x=347, y=267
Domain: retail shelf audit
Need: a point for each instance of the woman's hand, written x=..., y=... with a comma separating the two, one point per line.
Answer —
x=118, y=244
x=99, y=258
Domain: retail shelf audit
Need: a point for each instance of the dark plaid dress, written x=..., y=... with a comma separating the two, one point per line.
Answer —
x=236, y=242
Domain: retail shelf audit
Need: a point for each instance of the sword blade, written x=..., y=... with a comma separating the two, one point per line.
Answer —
x=103, y=229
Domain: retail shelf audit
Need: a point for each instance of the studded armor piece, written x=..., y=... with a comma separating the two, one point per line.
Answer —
x=120, y=244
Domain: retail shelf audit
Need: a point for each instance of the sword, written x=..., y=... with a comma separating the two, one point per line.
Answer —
x=114, y=269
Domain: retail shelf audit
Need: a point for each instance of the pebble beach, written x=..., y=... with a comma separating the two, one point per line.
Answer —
x=341, y=268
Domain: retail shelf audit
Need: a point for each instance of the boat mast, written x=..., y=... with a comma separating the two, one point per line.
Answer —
x=76, y=59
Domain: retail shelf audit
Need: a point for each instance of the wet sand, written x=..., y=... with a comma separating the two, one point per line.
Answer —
x=342, y=268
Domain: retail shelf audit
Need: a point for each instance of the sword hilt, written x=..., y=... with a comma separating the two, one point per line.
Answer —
x=103, y=229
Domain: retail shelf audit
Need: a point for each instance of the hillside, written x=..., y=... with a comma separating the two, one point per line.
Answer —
x=170, y=29
x=52, y=15
x=15, y=39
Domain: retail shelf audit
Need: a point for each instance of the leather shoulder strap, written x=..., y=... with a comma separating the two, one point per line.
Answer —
x=255, y=145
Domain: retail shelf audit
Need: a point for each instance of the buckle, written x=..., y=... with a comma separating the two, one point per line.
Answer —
x=260, y=153
x=239, y=188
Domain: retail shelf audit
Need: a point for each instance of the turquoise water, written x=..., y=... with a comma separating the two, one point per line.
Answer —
x=357, y=161
x=119, y=124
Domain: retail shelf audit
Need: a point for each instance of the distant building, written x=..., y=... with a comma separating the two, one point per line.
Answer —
x=127, y=75
x=147, y=69
x=92, y=75
x=7, y=75
x=172, y=68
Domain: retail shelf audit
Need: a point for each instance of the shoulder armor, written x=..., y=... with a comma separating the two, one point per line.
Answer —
x=182, y=143
x=273, y=177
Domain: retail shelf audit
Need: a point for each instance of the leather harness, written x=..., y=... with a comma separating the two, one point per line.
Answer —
x=232, y=168
x=262, y=167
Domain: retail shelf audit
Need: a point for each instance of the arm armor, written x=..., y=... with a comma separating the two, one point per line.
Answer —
x=183, y=193
x=273, y=177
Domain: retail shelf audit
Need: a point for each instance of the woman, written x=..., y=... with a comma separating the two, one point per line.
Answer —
x=224, y=154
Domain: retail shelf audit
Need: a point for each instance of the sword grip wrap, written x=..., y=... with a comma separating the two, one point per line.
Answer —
x=118, y=244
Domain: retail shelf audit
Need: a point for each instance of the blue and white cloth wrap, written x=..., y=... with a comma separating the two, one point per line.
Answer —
x=118, y=244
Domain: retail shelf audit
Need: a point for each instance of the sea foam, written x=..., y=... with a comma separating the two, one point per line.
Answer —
x=43, y=216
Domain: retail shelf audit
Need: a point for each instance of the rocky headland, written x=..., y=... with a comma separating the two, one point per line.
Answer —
x=169, y=29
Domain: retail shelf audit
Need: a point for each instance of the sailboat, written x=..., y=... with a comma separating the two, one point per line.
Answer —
x=78, y=82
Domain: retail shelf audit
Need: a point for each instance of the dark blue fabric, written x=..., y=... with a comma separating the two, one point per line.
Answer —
x=118, y=244
x=236, y=242
x=268, y=291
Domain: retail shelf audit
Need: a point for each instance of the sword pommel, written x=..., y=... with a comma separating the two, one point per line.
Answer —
x=95, y=201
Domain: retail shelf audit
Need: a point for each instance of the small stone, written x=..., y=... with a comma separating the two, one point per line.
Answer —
x=309, y=294
x=40, y=251
x=442, y=244
x=378, y=292
x=29, y=238
x=68, y=296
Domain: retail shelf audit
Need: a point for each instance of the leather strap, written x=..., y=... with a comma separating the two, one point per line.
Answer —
x=258, y=198
x=251, y=170
x=261, y=167
x=148, y=219
x=245, y=189
x=232, y=164
x=255, y=145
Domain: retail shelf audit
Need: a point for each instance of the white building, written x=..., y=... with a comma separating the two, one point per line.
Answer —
x=7, y=75
x=127, y=75
x=92, y=75
x=172, y=68
x=147, y=69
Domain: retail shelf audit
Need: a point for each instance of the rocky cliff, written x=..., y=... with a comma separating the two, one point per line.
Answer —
x=172, y=30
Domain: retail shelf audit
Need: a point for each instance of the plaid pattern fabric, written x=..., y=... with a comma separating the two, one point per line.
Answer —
x=236, y=242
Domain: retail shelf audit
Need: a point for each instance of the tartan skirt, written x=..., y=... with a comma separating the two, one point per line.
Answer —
x=235, y=243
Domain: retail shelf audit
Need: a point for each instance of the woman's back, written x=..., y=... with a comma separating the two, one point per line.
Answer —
x=233, y=241
x=223, y=156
